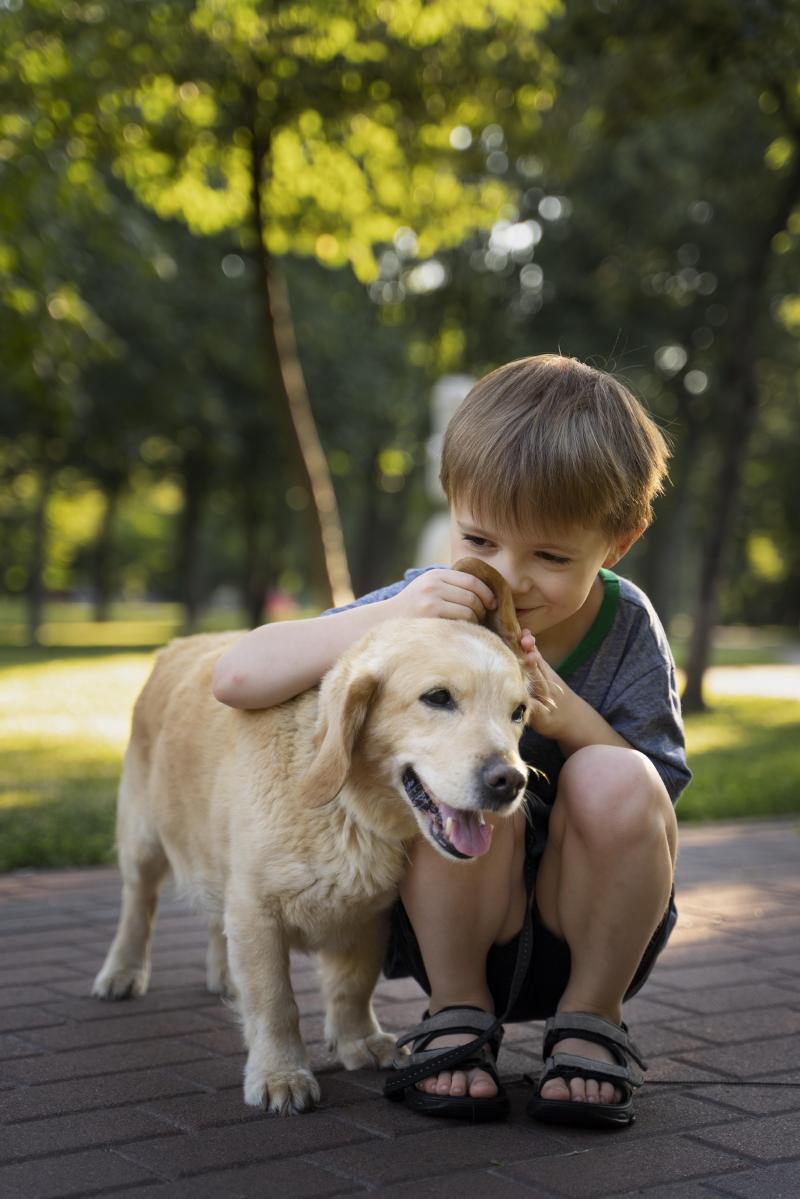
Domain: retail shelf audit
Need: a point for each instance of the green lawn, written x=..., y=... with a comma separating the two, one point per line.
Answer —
x=64, y=717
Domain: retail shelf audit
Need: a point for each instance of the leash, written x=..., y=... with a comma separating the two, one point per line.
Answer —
x=538, y=815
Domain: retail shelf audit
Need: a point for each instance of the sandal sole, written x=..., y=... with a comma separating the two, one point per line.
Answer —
x=459, y=1107
x=583, y=1115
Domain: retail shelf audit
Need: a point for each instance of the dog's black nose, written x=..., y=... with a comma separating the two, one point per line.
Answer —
x=500, y=783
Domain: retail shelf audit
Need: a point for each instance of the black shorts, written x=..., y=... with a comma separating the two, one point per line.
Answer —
x=548, y=972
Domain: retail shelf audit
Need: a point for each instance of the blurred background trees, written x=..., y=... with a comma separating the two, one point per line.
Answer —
x=240, y=242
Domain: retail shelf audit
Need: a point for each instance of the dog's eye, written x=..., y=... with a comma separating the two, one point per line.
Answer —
x=438, y=699
x=518, y=713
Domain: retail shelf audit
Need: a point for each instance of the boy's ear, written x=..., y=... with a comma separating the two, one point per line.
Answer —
x=622, y=545
x=502, y=619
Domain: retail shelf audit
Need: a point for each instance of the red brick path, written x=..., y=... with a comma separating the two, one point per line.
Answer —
x=143, y=1099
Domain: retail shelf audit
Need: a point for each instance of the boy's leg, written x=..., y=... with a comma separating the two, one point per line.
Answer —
x=458, y=911
x=603, y=886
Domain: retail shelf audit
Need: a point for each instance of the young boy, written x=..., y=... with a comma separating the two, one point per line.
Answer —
x=550, y=468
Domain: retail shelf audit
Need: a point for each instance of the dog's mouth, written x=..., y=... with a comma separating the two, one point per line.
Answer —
x=460, y=834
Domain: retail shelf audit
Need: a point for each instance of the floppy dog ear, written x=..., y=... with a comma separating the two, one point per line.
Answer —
x=502, y=619
x=343, y=710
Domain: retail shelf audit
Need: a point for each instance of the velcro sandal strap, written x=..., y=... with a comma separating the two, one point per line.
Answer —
x=571, y=1065
x=437, y=1060
x=588, y=1026
x=452, y=1019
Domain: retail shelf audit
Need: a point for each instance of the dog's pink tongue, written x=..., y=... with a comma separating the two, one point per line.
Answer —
x=469, y=836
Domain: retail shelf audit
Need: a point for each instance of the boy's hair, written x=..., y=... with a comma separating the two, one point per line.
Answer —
x=550, y=441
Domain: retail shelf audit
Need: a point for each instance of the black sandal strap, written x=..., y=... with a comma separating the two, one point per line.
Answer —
x=587, y=1026
x=399, y=1080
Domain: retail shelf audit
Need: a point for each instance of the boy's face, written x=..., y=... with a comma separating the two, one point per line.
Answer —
x=550, y=573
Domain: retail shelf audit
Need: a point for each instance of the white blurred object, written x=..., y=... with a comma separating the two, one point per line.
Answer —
x=433, y=546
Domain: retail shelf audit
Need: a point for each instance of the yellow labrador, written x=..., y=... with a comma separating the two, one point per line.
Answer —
x=289, y=826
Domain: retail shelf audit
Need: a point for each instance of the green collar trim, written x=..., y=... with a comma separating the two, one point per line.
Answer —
x=600, y=626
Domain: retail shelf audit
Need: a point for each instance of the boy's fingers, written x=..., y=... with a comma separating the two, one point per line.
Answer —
x=470, y=583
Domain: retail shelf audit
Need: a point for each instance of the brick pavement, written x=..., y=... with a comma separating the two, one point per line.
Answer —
x=143, y=1099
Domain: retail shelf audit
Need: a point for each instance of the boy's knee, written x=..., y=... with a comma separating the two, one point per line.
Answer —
x=612, y=795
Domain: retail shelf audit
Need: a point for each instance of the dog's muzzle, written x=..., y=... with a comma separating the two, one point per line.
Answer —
x=460, y=834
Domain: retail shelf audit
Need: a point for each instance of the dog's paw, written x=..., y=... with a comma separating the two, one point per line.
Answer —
x=125, y=983
x=284, y=1092
x=375, y=1051
x=221, y=983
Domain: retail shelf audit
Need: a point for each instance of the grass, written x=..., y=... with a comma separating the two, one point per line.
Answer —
x=64, y=718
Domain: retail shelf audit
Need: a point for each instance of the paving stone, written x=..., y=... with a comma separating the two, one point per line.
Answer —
x=12, y=1046
x=756, y=1099
x=155, y=1086
x=623, y=1164
x=17, y=1018
x=770, y=1182
x=238, y=1144
x=293, y=1179
x=751, y=1057
x=460, y=1184
x=109, y=1032
x=83, y=1131
x=17, y=996
x=678, y=1190
x=727, y=974
x=767, y=1137
x=82, y=1063
x=195, y=1111
x=481, y=1146
x=100, y=1091
x=94, y=1172
x=745, y=1025
x=759, y=995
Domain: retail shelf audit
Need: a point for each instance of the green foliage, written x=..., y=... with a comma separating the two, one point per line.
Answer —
x=64, y=720
x=744, y=757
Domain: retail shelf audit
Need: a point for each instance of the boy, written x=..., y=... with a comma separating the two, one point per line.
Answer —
x=550, y=468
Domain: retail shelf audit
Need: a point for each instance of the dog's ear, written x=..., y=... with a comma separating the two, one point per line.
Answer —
x=502, y=619
x=343, y=710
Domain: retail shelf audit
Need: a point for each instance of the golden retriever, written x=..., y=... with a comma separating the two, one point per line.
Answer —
x=290, y=826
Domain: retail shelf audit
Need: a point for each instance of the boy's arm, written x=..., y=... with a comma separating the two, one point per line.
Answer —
x=277, y=661
x=558, y=713
x=647, y=709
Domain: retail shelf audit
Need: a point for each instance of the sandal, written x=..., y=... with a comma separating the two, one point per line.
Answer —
x=423, y=1062
x=622, y=1073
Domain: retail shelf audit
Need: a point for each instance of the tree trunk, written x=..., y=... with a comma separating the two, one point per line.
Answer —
x=188, y=547
x=35, y=588
x=255, y=574
x=102, y=552
x=739, y=379
x=328, y=571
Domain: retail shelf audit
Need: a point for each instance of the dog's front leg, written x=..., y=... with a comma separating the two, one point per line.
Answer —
x=348, y=972
x=277, y=1075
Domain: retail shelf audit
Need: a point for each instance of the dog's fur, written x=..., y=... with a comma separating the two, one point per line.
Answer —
x=290, y=826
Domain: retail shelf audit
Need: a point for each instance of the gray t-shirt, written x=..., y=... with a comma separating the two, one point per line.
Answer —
x=623, y=668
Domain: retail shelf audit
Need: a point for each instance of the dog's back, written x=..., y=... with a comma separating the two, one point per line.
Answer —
x=182, y=749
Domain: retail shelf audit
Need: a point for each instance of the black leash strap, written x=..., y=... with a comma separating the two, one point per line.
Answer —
x=400, y=1079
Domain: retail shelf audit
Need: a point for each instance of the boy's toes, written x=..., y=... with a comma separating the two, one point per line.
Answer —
x=478, y=1084
x=556, y=1088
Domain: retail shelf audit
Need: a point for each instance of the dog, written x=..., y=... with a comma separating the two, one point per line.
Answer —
x=290, y=826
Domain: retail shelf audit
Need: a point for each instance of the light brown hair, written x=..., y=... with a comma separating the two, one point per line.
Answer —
x=550, y=441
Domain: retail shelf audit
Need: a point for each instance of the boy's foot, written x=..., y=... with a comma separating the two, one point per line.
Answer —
x=474, y=1082
x=582, y=1090
x=479, y=1085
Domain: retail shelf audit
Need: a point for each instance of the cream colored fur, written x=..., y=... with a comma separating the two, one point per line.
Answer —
x=289, y=827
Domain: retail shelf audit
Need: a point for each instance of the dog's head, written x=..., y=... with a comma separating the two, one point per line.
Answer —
x=433, y=711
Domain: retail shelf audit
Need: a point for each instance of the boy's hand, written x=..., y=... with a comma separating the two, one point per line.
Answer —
x=451, y=594
x=545, y=687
